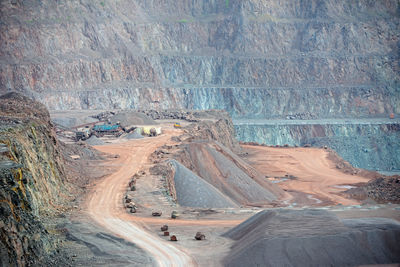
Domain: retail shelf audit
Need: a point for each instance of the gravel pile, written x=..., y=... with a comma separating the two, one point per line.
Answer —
x=232, y=176
x=381, y=190
x=94, y=141
x=134, y=135
x=192, y=191
x=130, y=118
x=298, y=238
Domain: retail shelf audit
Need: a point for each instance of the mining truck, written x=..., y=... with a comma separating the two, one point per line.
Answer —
x=82, y=133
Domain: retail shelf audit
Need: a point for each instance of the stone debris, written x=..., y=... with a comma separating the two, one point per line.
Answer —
x=174, y=214
x=94, y=141
x=130, y=205
x=199, y=236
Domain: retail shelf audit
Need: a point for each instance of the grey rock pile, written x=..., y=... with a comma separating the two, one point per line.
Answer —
x=94, y=141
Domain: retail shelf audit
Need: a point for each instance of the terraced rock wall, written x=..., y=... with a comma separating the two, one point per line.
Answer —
x=253, y=58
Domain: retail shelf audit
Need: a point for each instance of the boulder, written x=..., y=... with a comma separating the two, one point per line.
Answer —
x=130, y=205
x=156, y=213
x=173, y=238
x=199, y=236
x=166, y=233
x=174, y=214
x=164, y=228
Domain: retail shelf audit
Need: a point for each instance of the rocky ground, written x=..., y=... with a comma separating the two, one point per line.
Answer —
x=85, y=223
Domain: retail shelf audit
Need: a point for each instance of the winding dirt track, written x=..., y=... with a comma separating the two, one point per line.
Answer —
x=105, y=205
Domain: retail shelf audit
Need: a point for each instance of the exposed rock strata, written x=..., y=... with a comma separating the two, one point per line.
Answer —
x=252, y=58
x=32, y=183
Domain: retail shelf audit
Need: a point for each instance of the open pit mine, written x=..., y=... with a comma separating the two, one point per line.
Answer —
x=199, y=133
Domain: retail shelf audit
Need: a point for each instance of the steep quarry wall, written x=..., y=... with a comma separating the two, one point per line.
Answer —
x=31, y=183
x=253, y=58
x=369, y=144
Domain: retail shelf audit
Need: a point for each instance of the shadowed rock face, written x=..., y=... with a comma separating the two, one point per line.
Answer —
x=32, y=183
x=312, y=238
x=253, y=58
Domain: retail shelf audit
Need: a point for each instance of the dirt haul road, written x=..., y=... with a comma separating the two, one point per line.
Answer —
x=105, y=205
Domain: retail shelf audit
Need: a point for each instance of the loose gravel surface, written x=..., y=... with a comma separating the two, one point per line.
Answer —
x=193, y=191
x=313, y=238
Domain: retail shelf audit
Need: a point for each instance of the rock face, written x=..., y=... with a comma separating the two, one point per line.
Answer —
x=301, y=237
x=31, y=184
x=253, y=58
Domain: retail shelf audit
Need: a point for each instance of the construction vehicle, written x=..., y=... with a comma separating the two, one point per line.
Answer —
x=151, y=131
x=391, y=115
x=177, y=125
x=82, y=133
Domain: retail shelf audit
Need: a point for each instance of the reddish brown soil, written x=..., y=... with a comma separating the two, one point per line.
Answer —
x=104, y=203
x=310, y=173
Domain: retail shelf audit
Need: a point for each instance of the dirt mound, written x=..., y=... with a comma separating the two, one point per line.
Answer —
x=130, y=118
x=94, y=141
x=382, y=190
x=86, y=168
x=229, y=174
x=301, y=237
x=134, y=135
x=221, y=131
x=192, y=191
